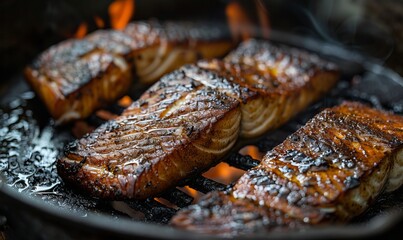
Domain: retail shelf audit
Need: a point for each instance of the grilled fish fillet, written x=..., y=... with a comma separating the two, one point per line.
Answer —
x=75, y=77
x=188, y=120
x=273, y=83
x=329, y=170
x=178, y=127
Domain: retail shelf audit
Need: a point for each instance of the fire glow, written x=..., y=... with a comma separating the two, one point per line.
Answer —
x=252, y=151
x=224, y=173
x=241, y=25
x=125, y=101
x=120, y=13
x=238, y=21
x=81, y=30
x=196, y=195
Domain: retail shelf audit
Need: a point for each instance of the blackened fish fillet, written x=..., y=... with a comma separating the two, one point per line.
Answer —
x=273, y=83
x=329, y=170
x=157, y=141
x=75, y=77
x=187, y=121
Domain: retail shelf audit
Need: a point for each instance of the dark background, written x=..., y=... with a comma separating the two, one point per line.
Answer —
x=29, y=27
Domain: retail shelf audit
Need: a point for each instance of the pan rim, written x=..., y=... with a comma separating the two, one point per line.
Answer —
x=127, y=227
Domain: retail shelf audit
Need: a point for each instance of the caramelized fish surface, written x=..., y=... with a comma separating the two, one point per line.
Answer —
x=329, y=170
x=187, y=121
x=77, y=76
x=273, y=83
x=181, y=128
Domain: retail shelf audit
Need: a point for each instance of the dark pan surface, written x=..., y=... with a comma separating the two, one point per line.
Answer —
x=30, y=143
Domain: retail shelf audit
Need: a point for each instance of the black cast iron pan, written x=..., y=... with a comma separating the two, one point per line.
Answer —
x=50, y=210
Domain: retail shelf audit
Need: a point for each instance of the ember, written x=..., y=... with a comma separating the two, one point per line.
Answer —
x=252, y=151
x=81, y=30
x=223, y=173
x=196, y=195
x=125, y=101
x=99, y=22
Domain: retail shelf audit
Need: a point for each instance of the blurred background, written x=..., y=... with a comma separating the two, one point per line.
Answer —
x=372, y=27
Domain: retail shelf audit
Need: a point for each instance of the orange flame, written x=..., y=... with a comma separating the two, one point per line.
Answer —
x=252, y=151
x=239, y=22
x=99, y=22
x=125, y=101
x=166, y=202
x=196, y=195
x=81, y=30
x=120, y=13
x=224, y=173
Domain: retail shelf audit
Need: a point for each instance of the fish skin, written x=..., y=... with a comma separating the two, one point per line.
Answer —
x=77, y=76
x=330, y=170
x=181, y=129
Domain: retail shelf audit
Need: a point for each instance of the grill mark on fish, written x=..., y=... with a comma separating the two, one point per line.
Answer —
x=155, y=159
x=205, y=107
x=329, y=170
x=267, y=99
x=77, y=76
